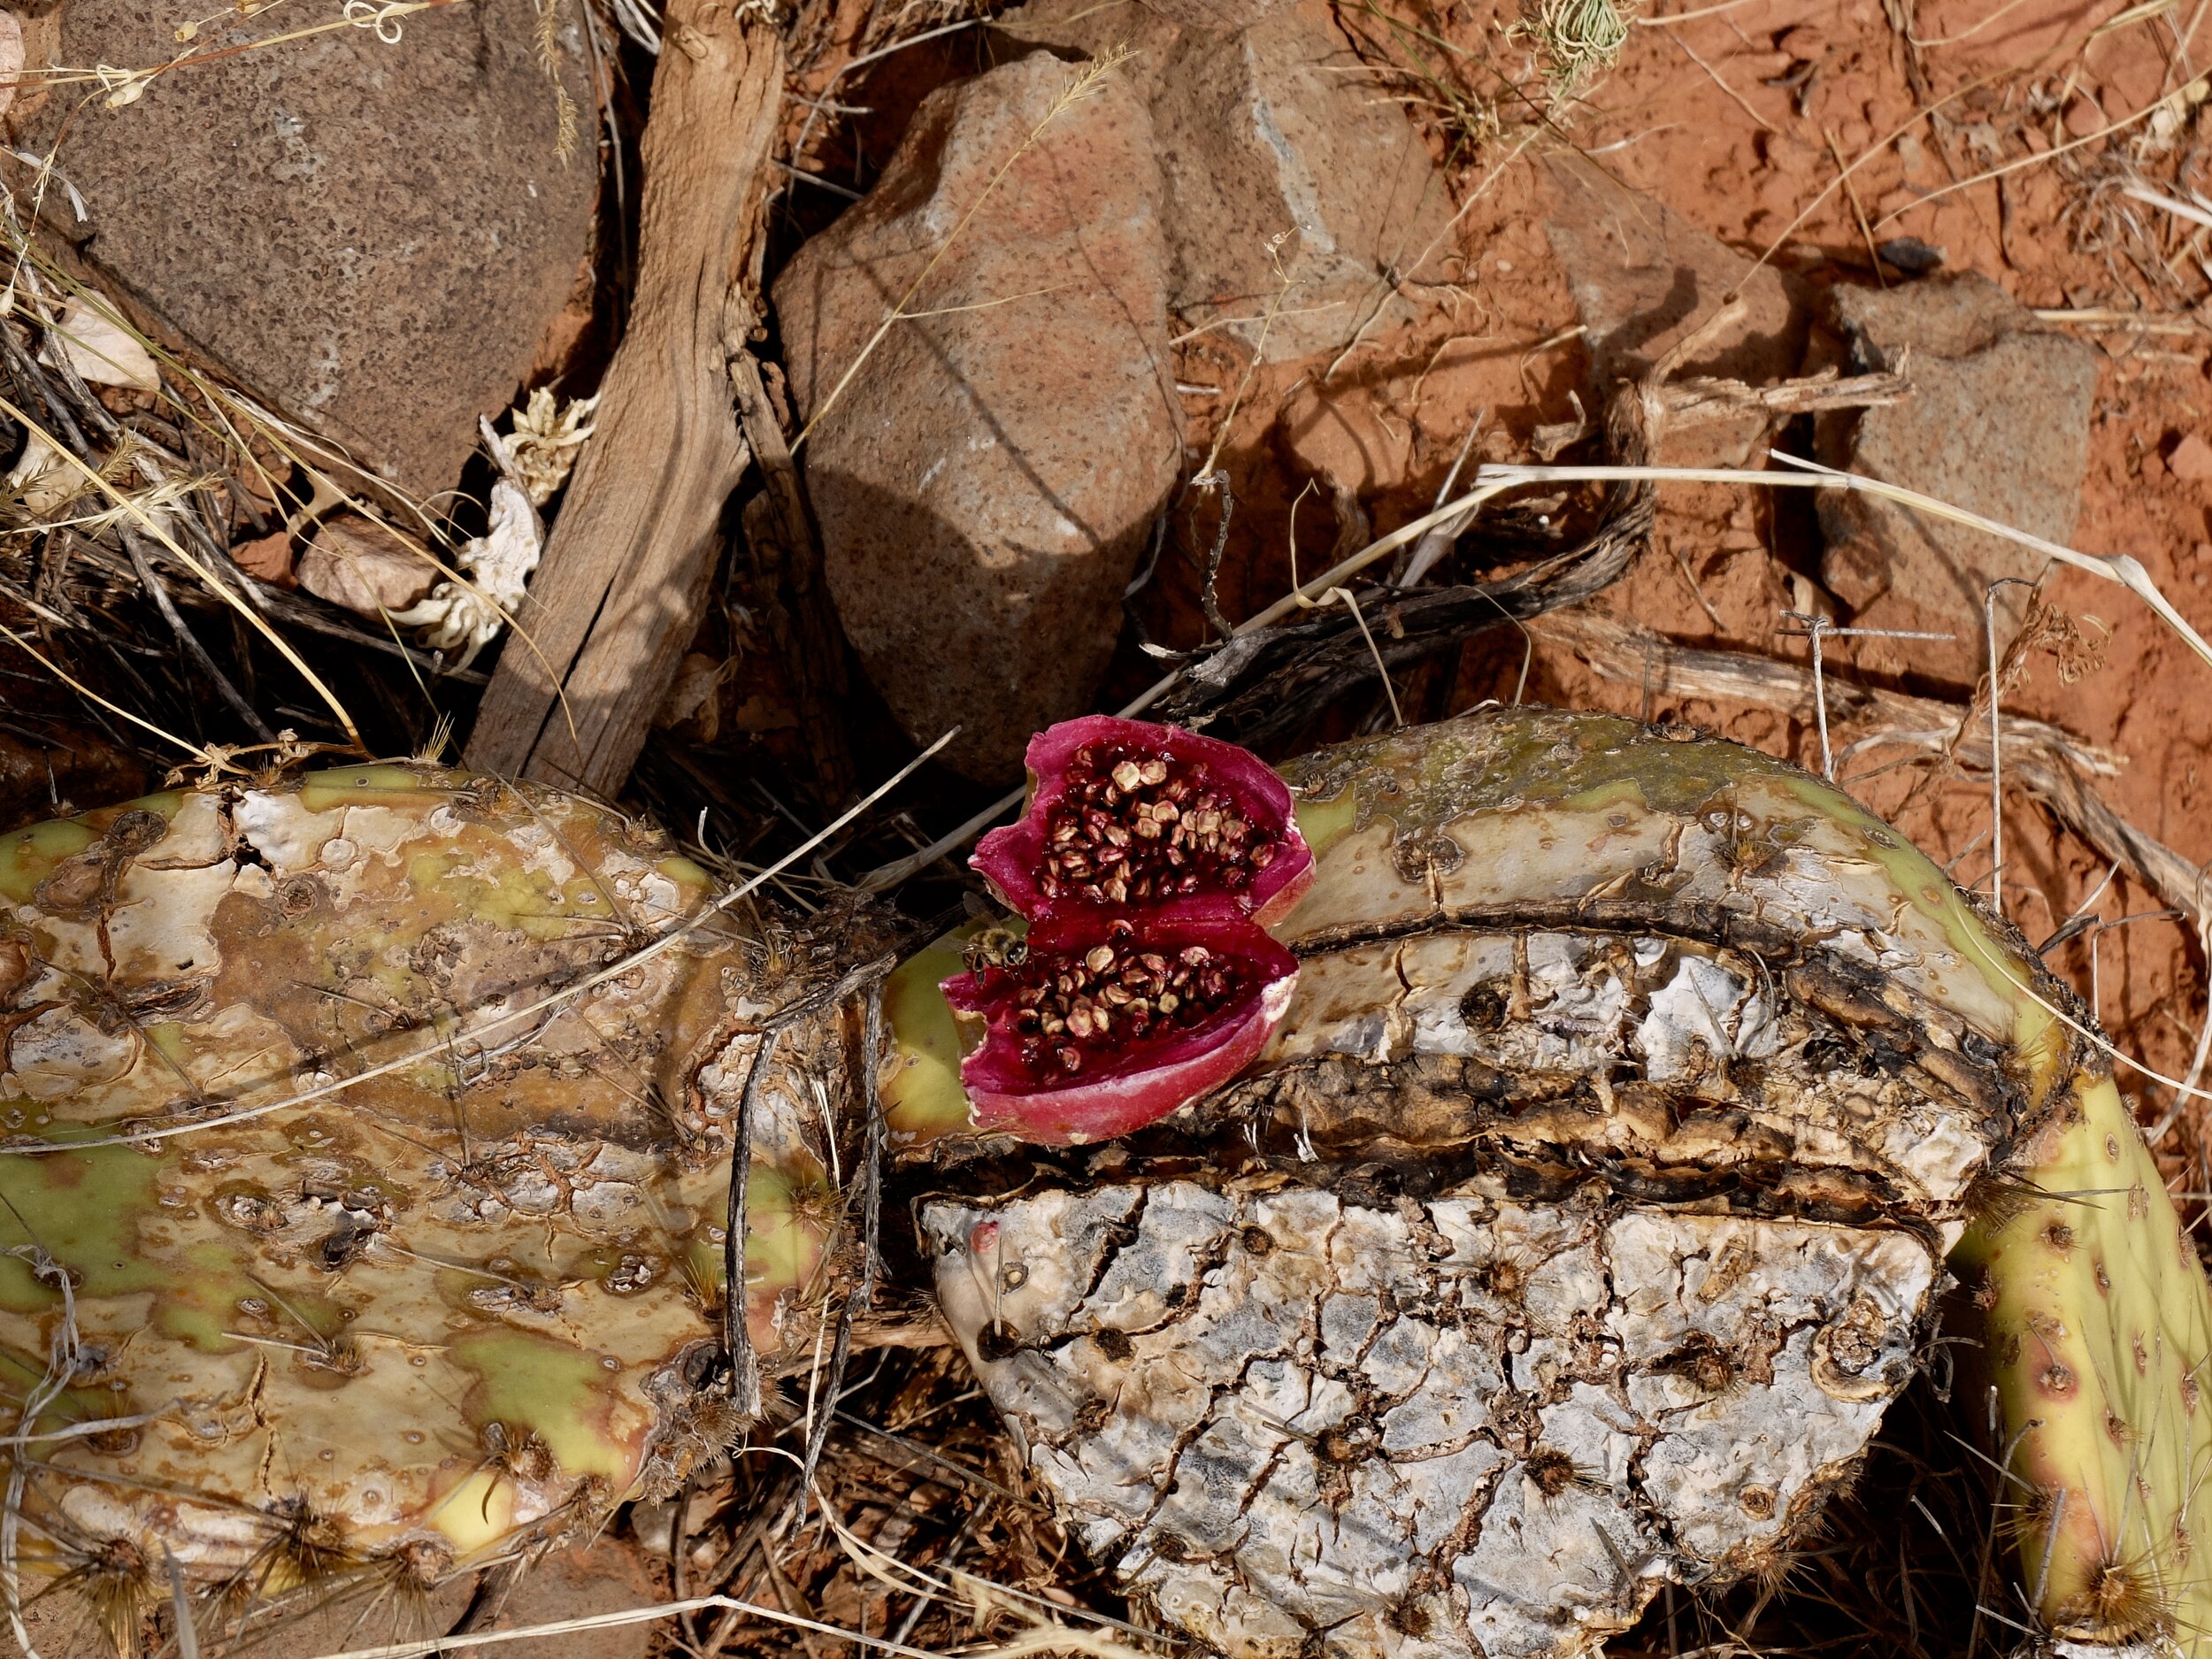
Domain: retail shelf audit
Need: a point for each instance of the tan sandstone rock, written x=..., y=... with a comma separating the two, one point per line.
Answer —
x=986, y=480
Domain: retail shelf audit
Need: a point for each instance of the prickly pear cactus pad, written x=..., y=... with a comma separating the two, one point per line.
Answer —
x=2097, y=1336
x=392, y=1326
x=1571, y=1236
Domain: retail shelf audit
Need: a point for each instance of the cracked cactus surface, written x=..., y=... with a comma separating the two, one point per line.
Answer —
x=1581, y=1220
x=324, y=1253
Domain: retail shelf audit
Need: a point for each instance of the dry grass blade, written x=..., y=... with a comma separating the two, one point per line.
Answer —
x=1494, y=477
x=123, y=86
x=160, y=532
x=205, y=756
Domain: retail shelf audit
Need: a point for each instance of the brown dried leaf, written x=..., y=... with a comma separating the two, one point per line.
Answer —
x=266, y=558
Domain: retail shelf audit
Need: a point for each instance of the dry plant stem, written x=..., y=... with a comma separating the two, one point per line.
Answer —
x=1996, y=740
x=204, y=756
x=387, y=14
x=779, y=526
x=1703, y=398
x=158, y=590
x=2187, y=211
x=159, y=533
x=2051, y=764
x=1493, y=478
x=627, y=1617
x=1302, y=597
x=612, y=607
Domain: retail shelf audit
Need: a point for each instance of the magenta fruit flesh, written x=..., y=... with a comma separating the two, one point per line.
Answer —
x=1127, y=814
x=1102, y=1025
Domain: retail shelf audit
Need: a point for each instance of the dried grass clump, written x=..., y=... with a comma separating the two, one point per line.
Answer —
x=1582, y=38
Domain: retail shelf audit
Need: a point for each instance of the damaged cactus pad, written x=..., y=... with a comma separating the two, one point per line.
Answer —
x=326, y=1256
x=1549, y=1201
x=1585, y=1215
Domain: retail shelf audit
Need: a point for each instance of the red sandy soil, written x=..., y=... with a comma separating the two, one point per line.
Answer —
x=1688, y=117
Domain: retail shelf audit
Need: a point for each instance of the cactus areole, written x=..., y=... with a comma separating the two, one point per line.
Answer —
x=1535, y=1143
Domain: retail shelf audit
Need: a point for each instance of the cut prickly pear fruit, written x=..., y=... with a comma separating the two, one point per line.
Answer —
x=1104, y=1020
x=1123, y=813
x=400, y=1324
x=1571, y=1238
x=2097, y=1331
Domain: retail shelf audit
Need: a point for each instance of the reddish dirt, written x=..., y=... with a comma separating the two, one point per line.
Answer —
x=1689, y=117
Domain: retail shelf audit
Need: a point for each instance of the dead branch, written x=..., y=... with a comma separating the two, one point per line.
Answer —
x=617, y=597
x=1700, y=396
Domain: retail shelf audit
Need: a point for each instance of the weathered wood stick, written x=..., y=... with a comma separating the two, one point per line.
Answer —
x=617, y=597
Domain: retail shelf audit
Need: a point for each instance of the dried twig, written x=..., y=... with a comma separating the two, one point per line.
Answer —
x=614, y=601
x=2128, y=572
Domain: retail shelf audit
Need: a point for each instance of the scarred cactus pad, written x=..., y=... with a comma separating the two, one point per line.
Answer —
x=369, y=1276
x=1572, y=1234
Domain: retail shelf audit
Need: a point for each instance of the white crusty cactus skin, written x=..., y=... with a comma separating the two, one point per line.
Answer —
x=1583, y=1219
x=415, y=1324
x=2097, y=1331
